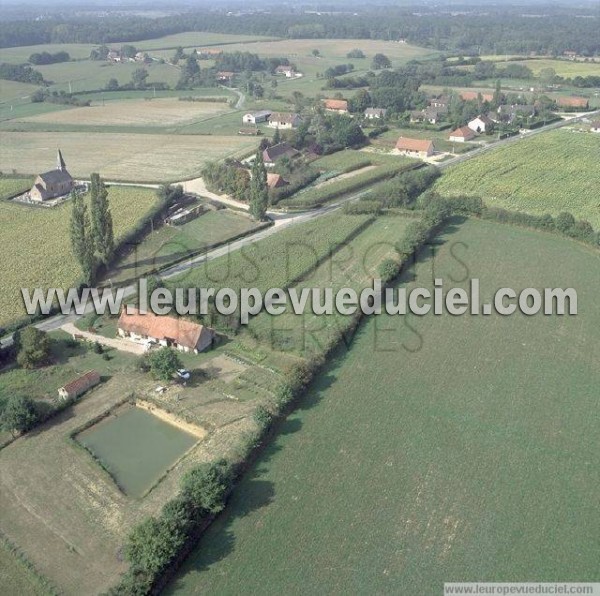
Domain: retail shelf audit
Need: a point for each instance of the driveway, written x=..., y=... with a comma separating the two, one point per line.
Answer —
x=118, y=344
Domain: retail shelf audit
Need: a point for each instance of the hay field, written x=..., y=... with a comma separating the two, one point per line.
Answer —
x=36, y=244
x=161, y=111
x=331, y=49
x=437, y=447
x=131, y=157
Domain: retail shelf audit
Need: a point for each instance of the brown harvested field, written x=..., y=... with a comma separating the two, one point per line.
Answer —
x=161, y=112
x=118, y=156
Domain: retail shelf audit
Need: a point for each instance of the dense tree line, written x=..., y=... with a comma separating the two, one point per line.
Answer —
x=21, y=73
x=48, y=58
x=558, y=30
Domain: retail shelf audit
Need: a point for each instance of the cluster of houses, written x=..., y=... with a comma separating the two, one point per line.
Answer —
x=118, y=56
x=282, y=120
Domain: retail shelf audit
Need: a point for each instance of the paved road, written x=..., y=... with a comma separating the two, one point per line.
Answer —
x=282, y=220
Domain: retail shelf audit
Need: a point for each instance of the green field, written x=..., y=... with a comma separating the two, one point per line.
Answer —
x=549, y=173
x=17, y=577
x=37, y=250
x=9, y=187
x=348, y=184
x=563, y=68
x=170, y=243
x=277, y=260
x=418, y=458
x=352, y=266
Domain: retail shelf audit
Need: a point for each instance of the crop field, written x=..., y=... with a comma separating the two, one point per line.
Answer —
x=132, y=157
x=277, y=260
x=161, y=112
x=37, y=250
x=313, y=196
x=354, y=266
x=169, y=243
x=359, y=492
x=549, y=173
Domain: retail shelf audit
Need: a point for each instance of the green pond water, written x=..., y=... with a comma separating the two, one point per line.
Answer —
x=136, y=447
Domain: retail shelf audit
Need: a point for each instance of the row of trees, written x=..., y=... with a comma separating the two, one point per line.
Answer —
x=92, y=235
x=48, y=58
x=557, y=30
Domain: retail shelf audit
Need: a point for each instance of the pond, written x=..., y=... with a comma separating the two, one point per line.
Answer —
x=136, y=447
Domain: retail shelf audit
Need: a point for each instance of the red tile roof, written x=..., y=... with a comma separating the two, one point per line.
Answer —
x=406, y=144
x=275, y=180
x=81, y=384
x=335, y=104
x=182, y=332
x=573, y=102
x=463, y=131
x=470, y=95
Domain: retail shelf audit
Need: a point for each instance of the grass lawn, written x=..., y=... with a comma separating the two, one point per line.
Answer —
x=549, y=173
x=9, y=187
x=37, y=250
x=169, y=243
x=387, y=141
x=437, y=447
x=66, y=364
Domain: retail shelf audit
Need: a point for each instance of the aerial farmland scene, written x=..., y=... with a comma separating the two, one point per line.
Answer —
x=299, y=298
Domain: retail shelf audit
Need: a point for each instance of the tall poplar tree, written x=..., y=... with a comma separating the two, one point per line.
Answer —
x=259, y=191
x=81, y=238
x=102, y=224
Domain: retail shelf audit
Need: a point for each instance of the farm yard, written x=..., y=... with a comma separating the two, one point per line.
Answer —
x=37, y=250
x=548, y=173
x=118, y=156
x=391, y=486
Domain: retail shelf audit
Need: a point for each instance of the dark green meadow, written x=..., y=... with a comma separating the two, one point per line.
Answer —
x=437, y=449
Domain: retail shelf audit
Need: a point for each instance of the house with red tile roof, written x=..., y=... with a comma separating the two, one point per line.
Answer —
x=420, y=148
x=174, y=332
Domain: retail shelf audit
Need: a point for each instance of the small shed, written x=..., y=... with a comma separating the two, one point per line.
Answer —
x=77, y=387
